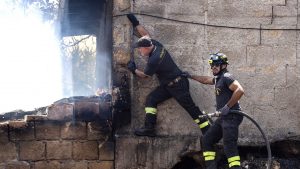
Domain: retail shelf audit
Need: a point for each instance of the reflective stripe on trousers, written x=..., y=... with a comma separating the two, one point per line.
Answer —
x=209, y=155
x=234, y=161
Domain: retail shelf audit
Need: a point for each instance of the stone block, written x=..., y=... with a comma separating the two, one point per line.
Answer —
x=101, y=164
x=238, y=13
x=249, y=134
x=47, y=130
x=239, y=23
x=47, y=165
x=18, y=165
x=168, y=33
x=121, y=5
x=286, y=118
x=122, y=31
x=263, y=55
x=74, y=165
x=271, y=2
x=150, y=7
x=27, y=133
x=107, y=151
x=289, y=9
x=97, y=131
x=85, y=150
x=238, y=8
x=292, y=75
x=31, y=118
x=8, y=151
x=171, y=117
x=3, y=134
x=121, y=55
x=232, y=37
x=17, y=124
x=256, y=96
x=290, y=121
x=189, y=56
x=126, y=152
x=190, y=35
x=253, y=85
x=73, y=130
x=133, y=152
x=285, y=55
x=59, y=150
x=274, y=72
x=278, y=37
x=286, y=97
x=286, y=20
x=260, y=55
x=32, y=150
x=2, y=166
x=62, y=111
x=186, y=12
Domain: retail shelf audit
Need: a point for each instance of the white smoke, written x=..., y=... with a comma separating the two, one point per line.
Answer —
x=30, y=65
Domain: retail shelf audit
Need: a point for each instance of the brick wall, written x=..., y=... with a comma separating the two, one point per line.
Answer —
x=55, y=145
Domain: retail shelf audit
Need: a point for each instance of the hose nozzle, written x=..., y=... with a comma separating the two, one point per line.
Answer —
x=210, y=115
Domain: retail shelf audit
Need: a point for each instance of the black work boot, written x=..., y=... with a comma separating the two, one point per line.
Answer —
x=144, y=131
x=149, y=128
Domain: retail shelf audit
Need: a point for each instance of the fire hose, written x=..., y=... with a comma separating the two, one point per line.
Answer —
x=217, y=114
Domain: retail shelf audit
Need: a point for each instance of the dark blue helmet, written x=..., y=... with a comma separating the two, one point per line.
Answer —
x=218, y=59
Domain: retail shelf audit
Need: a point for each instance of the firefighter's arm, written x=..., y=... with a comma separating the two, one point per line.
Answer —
x=142, y=31
x=238, y=92
x=137, y=26
x=203, y=79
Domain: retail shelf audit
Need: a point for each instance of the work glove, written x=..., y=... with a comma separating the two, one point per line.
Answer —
x=133, y=20
x=224, y=110
x=131, y=66
x=186, y=74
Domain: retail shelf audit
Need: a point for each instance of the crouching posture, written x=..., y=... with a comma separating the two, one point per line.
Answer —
x=228, y=93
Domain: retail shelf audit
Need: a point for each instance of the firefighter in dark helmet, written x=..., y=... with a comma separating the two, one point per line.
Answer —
x=228, y=93
x=173, y=83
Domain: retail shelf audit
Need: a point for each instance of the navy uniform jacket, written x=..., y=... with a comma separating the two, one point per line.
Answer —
x=223, y=93
x=161, y=64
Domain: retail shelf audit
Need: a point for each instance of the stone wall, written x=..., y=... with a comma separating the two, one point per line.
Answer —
x=259, y=37
x=46, y=144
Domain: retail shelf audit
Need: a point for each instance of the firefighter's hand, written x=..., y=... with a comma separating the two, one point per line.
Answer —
x=186, y=74
x=131, y=66
x=133, y=20
x=224, y=110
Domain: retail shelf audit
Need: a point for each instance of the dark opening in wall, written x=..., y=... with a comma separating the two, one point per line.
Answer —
x=82, y=17
x=87, y=23
x=187, y=163
x=190, y=160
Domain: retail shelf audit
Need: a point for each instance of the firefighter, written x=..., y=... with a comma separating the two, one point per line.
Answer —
x=173, y=83
x=228, y=93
